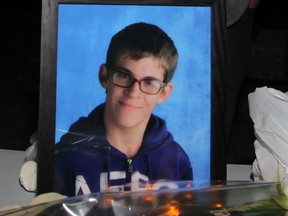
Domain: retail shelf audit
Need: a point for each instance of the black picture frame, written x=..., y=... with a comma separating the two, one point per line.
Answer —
x=48, y=81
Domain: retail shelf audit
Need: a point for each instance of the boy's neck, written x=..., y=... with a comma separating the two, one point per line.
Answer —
x=127, y=141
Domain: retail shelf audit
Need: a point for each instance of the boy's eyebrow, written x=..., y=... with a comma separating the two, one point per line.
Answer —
x=125, y=70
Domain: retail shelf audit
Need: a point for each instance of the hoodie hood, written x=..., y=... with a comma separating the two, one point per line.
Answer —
x=90, y=132
x=86, y=132
x=156, y=134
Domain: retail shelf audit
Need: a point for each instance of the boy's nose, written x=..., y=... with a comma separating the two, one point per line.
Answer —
x=135, y=89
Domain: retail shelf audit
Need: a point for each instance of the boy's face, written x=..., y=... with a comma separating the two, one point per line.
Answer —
x=130, y=107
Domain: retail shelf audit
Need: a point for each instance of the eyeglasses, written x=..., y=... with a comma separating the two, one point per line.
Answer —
x=124, y=79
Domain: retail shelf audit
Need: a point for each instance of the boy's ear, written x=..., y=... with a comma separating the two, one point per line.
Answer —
x=103, y=76
x=165, y=93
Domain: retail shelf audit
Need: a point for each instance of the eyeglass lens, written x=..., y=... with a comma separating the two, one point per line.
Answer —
x=125, y=80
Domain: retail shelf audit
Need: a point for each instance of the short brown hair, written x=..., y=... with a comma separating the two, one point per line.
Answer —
x=141, y=40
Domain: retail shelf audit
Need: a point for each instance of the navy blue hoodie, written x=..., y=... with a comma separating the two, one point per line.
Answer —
x=87, y=163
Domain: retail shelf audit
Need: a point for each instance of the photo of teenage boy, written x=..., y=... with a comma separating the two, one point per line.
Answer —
x=121, y=142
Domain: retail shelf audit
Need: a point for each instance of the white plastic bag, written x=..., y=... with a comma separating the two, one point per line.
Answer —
x=269, y=111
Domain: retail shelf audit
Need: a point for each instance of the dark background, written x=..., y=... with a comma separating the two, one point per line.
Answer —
x=20, y=73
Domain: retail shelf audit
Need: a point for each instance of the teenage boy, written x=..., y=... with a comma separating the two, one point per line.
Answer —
x=121, y=145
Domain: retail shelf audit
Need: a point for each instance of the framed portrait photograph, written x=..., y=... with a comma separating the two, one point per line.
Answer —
x=75, y=39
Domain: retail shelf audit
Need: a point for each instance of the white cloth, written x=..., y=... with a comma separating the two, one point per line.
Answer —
x=28, y=171
x=269, y=111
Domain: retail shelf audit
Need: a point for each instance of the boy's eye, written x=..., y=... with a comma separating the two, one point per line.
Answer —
x=151, y=83
x=123, y=75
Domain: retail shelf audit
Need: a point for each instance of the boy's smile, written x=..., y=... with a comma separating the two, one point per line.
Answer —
x=129, y=106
